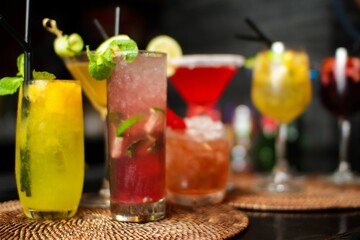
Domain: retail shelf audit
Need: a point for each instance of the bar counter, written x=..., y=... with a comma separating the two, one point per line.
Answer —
x=230, y=220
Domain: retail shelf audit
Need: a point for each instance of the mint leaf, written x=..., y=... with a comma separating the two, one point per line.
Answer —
x=20, y=65
x=127, y=48
x=43, y=75
x=101, y=62
x=100, y=65
x=10, y=85
x=131, y=149
x=127, y=123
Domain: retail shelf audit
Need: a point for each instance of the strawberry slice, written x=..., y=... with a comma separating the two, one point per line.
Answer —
x=174, y=121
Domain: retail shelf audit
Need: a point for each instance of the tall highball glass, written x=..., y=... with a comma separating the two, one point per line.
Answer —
x=136, y=126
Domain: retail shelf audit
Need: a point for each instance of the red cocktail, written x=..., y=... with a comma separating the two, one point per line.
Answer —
x=201, y=79
x=340, y=91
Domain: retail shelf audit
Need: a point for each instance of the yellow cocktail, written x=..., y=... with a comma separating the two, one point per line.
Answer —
x=50, y=148
x=95, y=90
x=281, y=87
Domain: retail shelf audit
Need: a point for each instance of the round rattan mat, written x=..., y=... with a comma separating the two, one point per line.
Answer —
x=211, y=222
x=316, y=195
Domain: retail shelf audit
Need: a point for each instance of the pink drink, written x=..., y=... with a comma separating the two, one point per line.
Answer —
x=137, y=103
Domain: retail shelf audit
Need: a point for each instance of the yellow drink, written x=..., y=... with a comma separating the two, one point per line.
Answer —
x=281, y=87
x=50, y=148
x=95, y=90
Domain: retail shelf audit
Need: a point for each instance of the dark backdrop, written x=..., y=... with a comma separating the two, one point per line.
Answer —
x=200, y=26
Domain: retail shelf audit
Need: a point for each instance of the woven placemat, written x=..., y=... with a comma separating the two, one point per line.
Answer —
x=212, y=222
x=316, y=195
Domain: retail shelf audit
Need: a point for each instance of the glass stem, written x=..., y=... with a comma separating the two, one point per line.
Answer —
x=280, y=173
x=344, y=142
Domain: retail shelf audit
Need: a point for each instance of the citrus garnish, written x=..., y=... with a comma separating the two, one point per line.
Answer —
x=64, y=45
x=168, y=45
x=101, y=61
x=104, y=45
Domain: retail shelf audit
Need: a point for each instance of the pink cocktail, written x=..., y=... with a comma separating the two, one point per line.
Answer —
x=136, y=123
x=201, y=79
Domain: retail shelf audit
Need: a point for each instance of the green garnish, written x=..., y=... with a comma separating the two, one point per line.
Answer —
x=10, y=85
x=131, y=149
x=101, y=62
x=25, y=171
x=64, y=45
x=100, y=65
x=127, y=123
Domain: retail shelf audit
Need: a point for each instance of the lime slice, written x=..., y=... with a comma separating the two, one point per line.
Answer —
x=168, y=45
x=103, y=46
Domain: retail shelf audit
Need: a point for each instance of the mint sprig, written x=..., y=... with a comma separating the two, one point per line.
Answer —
x=10, y=85
x=101, y=62
x=100, y=65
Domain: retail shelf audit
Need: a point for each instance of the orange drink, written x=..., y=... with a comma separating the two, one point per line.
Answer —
x=197, y=161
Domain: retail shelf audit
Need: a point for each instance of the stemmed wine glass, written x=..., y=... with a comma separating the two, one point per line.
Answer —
x=202, y=78
x=96, y=92
x=340, y=94
x=281, y=90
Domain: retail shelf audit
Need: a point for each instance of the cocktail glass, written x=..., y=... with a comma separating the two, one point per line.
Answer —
x=50, y=148
x=197, y=162
x=281, y=89
x=202, y=78
x=95, y=91
x=136, y=125
x=339, y=92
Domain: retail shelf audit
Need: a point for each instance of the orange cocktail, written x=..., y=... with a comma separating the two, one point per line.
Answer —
x=197, y=161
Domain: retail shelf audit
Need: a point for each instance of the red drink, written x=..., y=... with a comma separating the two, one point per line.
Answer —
x=201, y=79
x=340, y=90
x=136, y=121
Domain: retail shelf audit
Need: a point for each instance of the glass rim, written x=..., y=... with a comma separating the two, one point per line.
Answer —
x=82, y=56
x=209, y=59
x=55, y=80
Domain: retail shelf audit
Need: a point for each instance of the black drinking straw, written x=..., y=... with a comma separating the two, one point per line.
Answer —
x=117, y=21
x=23, y=43
x=101, y=29
x=27, y=60
x=261, y=37
x=4, y=23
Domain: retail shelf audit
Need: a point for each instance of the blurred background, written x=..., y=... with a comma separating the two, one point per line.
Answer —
x=200, y=26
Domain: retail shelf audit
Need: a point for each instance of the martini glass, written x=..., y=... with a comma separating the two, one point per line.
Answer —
x=339, y=92
x=96, y=93
x=202, y=78
x=281, y=89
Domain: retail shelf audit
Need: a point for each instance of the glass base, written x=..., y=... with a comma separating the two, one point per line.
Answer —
x=343, y=178
x=196, y=200
x=138, y=212
x=277, y=187
x=49, y=215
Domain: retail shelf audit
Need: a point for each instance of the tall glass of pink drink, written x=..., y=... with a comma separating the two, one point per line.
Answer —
x=136, y=123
